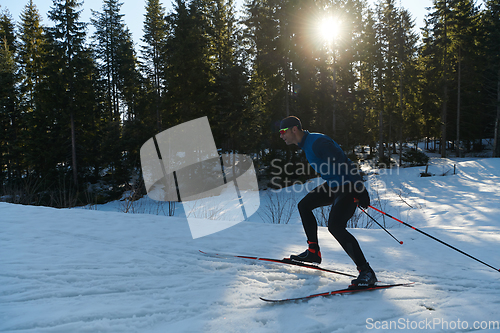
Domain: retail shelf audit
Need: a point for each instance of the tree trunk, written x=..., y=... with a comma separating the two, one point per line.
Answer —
x=73, y=150
x=496, y=141
x=334, y=104
x=445, y=88
x=381, y=138
x=457, y=147
x=402, y=116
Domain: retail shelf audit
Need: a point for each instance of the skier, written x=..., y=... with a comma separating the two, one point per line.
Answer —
x=343, y=190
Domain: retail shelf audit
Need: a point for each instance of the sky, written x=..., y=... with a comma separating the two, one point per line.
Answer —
x=134, y=11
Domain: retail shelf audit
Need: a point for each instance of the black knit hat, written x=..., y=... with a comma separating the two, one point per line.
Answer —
x=291, y=121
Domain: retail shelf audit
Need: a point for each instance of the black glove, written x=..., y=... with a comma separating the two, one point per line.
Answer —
x=363, y=199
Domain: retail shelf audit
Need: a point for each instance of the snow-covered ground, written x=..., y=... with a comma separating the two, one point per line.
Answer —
x=99, y=270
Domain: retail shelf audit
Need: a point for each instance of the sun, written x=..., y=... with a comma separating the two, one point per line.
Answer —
x=329, y=28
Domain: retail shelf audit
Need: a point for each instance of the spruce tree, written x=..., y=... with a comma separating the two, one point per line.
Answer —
x=232, y=124
x=490, y=29
x=116, y=61
x=155, y=34
x=434, y=61
x=32, y=48
x=409, y=75
x=467, y=59
x=67, y=45
x=188, y=76
x=267, y=86
x=113, y=51
x=367, y=69
x=10, y=116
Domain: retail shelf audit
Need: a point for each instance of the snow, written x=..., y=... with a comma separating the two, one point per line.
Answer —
x=100, y=270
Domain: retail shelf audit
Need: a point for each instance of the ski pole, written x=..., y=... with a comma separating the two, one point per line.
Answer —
x=364, y=211
x=440, y=241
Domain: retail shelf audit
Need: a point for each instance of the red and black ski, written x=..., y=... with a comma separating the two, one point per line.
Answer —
x=349, y=290
x=287, y=261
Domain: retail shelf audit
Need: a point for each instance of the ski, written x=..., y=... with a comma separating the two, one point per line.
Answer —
x=287, y=261
x=349, y=290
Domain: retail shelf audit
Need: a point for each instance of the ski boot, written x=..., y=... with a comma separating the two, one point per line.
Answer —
x=312, y=254
x=366, y=277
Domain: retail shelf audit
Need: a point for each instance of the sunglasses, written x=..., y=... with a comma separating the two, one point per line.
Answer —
x=283, y=130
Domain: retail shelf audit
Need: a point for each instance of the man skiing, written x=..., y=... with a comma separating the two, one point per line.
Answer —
x=343, y=190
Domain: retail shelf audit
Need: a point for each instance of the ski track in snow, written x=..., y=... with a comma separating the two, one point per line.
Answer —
x=76, y=270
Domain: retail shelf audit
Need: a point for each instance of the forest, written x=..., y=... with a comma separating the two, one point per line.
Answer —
x=75, y=108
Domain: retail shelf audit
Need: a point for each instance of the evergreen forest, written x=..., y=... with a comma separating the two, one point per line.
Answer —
x=76, y=107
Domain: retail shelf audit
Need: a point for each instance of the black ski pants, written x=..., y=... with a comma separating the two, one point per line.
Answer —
x=343, y=206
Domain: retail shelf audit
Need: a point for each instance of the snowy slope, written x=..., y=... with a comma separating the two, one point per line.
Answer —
x=77, y=270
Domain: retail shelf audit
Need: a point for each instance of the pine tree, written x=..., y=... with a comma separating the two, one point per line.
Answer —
x=7, y=30
x=467, y=59
x=434, y=59
x=188, y=76
x=367, y=69
x=351, y=109
x=232, y=124
x=155, y=34
x=116, y=61
x=411, y=118
x=32, y=48
x=267, y=86
x=114, y=52
x=388, y=79
x=490, y=20
x=67, y=37
x=10, y=117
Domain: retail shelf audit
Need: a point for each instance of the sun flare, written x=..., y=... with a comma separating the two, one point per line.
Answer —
x=329, y=28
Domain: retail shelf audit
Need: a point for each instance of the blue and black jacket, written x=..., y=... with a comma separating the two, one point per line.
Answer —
x=329, y=160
